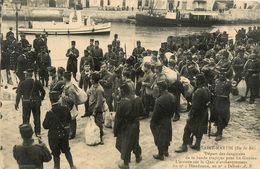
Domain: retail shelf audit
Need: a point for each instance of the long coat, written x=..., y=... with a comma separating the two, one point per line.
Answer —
x=72, y=64
x=198, y=115
x=126, y=127
x=161, y=126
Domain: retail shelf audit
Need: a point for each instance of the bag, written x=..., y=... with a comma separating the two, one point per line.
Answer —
x=188, y=88
x=81, y=95
x=170, y=74
x=92, y=132
x=106, y=115
x=242, y=88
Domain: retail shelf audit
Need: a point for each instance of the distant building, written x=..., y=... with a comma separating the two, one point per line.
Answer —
x=245, y=4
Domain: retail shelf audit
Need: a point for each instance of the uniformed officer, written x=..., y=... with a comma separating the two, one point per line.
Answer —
x=110, y=56
x=72, y=63
x=30, y=155
x=32, y=93
x=97, y=56
x=57, y=122
x=137, y=52
x=52, y=74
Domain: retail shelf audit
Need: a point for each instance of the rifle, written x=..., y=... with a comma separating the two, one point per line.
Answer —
x=209, y=128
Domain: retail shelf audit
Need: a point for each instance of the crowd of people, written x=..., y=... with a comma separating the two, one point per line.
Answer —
x=132, y=87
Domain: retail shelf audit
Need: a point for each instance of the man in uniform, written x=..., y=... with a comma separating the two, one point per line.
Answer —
x=110, y=56
x=91, y=47
x=95, y=102
x=24, y=41
x=238, y=64
x=221, y=113
x=54, y=78
x=44, y=61
x=68, y=97
x=22, y=65
x=198, y=116
x=106, y=83
x=251, y=75
x=126, y=128
x=57, y=122
x=161, y=126
x=32, y=94
x=137, y=52
x=37, y=43
x=86, y=59
x=30, y=155
x=72, y=63
x=9, y=33
x=98, y=56
x=114, y=42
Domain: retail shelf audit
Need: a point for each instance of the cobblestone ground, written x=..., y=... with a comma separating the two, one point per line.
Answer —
x=243, y=131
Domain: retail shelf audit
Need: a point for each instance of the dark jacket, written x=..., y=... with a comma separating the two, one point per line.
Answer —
x=84, y=81
x=72, y=64
x=161, y=126
x=126, y=127
x=198, y=115
x=31, y=156
x=55, y=119
x=30, y=88
x=86, y=60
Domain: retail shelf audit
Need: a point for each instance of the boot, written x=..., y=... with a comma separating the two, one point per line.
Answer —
x=213, y=134
x=196, y=146
x=56, y=162
x=166, y=152
x=251, y=101
x=158, y=157
x=218, y=138
x=241, y=99
x=182, y=149
x=219, y=134
x=138, y=159
x=123, y=166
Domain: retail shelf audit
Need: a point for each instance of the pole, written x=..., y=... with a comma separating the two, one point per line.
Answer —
x=1, y=36
x=16, y=15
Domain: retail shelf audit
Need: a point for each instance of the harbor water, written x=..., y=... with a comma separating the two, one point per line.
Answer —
x=151, y=37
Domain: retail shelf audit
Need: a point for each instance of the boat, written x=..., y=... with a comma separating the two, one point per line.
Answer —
x=174, y=19
x=76, y=25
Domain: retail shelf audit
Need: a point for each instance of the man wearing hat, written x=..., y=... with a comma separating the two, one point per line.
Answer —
x=163, y=48
x=137, y=52
x=9, y=33
x=98, y=56
x=114, y=42
x=32, y=93
x=87, y=59
x=37, y=43
x=91, y=47
x=198, y=116
x=30, y=155
x=22, y=64
x=44, y=61
x=224, y=64
x=161, y=126
x=251, y=75
x=68, y=98
x=110, y=56
x=57, y=121
x=95, y=102
x=221, y=112
x=146, y=90
x=52, y=74
x=72, y=63
x=126, y=128
x=24, y=41
x=238, y=64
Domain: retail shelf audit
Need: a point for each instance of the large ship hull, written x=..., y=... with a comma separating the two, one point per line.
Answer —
x=147, y=20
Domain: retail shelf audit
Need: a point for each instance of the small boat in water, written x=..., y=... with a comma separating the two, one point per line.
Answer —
x=75, y=26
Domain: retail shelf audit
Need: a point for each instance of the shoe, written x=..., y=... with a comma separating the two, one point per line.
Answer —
x=182, y=149
x=123, y=166
x=158, y=157
x=138, y=159
x=176, y=118
x=195, y=147
x=241, y=99
x=73, y=167
x=251, y=101
x=166, y=154
x=218, y=138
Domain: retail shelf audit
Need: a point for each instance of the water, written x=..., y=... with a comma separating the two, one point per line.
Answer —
x=151, y=38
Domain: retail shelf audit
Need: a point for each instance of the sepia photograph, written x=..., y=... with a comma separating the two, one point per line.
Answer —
x=130, y=84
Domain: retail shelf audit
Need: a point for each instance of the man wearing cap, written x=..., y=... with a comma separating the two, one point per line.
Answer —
x=198, y=116
x=57, y=121
x=161, y=126
x=158, y=76
x=52, y=74
x=87, y=59
x=95, y=102
x=30, y=155
x=24, y=41
x=44, y=61
x=238, y=64
x=98, y=56
x=146, y=90
x=9, y=33
x=72, y=63
x=251, y=75
x=32, y=60
x=68, y=98
x=126, y=128
x=32, y=93
x=221, y=112
x=37, y=43
x=115, y=40
x=224, y=65
x=119, y=52
x=91, y=47
x=22, y=65
x=163, y=48
x=137, y=52
x=110, y=56
x=106, y=83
